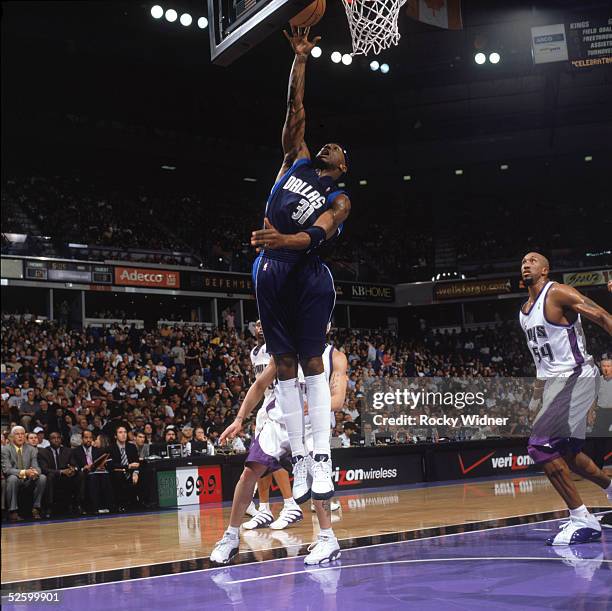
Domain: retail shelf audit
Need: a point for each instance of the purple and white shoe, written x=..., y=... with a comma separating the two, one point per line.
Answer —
x=262, y=519
x=287, y=517
x=577, y=530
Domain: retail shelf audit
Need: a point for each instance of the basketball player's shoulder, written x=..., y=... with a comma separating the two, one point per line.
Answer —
x=559, y=291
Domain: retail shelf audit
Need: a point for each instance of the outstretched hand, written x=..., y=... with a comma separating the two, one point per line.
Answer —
x=231, y=431
x=299, y=40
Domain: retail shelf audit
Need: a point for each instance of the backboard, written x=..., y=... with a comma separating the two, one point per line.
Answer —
x=235, y=26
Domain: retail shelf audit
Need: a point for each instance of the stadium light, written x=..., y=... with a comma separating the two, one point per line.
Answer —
x=480, y=58
x=202, y=23
x=316, y=52
x=494, y=58
x=374, y=65
x=341, y=184
x=157, y=12
x=503, y=166
x=186, y=19
x=249, y=179
x=171, y=15
x=347, y=59
x=459, y=172
x=336, y=57
x=170, y=168
x=363, y=183
x=384, y=68
x=588, y=158
x=407, y=177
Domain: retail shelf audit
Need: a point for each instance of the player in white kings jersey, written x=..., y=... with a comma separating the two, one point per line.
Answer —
x=565, y=389
x=271, y=447
x=262, y=517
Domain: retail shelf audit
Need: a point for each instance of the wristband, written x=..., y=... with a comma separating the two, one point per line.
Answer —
x=317, y=236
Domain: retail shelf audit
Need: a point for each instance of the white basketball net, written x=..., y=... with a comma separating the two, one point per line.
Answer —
x=373, y=24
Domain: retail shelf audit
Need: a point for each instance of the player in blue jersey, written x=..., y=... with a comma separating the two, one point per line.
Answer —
x=294, y=288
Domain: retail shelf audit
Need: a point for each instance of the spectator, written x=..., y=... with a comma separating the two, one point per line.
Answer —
x=124, y=469
x=32, y=439
x=62, y=483
x=201, y=443
x=27, y=410
x=95, y=489
x=20, y=468
x=140, y=440
x=348, y=434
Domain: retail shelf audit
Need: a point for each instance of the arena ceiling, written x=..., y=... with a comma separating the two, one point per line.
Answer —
x=436, y=107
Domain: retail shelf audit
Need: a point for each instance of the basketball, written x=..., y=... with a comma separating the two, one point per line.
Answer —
x=311, y=15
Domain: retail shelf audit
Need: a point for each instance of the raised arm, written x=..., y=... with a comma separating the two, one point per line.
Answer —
x=568, y=297
x=294, y=146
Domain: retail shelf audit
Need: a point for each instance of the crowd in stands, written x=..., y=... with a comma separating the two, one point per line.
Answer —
x=189, y=229
x=565, y=233
x=89, y=388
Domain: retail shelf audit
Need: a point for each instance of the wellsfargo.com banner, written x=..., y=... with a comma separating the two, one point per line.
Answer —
x=136, y=276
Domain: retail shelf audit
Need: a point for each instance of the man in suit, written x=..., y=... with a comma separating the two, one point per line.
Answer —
x=124, y=469
x=62, y=483
x=21, y=469
x=93, y=482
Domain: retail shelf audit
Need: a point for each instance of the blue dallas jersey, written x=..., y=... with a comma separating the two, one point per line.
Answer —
x=298, y=199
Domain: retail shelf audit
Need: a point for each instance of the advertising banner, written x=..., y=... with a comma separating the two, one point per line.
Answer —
x=152, y=277
x=189, y=486
x=592, y=278
x=462, y=464
x=472, y=288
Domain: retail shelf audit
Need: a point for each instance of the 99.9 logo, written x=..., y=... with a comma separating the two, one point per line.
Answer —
x=197, y=485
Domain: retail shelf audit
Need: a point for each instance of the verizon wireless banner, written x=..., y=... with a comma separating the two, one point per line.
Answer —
x=152, y=277
x=451, y=463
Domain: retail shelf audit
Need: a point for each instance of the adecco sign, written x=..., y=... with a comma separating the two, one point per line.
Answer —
x=136, y=276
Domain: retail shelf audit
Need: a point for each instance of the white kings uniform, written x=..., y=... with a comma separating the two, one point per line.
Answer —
x=273, y=439
x=260, y=359
x=570, y=374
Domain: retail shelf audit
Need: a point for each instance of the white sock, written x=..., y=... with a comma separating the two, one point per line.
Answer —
x=319, y=410
x=579, y=512
x=290, y=502
x=608, y=490
x=327, y=532
x=234, y=531
x=290, y=404
x=264, y=506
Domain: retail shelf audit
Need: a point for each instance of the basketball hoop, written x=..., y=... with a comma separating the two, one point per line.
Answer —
x=373, y=24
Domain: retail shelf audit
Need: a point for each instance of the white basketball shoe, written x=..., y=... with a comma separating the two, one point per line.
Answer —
x=323, y=550
x=301, y=485
x=225, y=549
x=577, y=530
x=322, y=483
x=262, y=519
x=287, y=516
x=251, y=510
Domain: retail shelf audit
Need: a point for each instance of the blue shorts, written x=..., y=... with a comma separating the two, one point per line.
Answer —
x=295, y=302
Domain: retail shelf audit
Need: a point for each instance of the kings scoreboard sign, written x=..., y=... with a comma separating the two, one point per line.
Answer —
x=585, y=41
